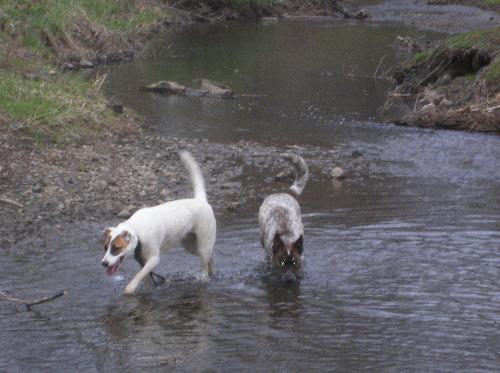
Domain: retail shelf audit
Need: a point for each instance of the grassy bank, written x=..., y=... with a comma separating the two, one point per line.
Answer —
x=37, y=98
x=455, y=85
x=42, y=39
x=485, y=40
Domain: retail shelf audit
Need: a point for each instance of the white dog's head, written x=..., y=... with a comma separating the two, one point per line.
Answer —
x=118, y=243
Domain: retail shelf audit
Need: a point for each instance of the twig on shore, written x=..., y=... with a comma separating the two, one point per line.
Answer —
x=99, y=81
x=251, y=95
x=28, y=303
x=394, y=94
x=351, y=73
x=11, y=202
x=490, y=109
x=378, y=67
x=416, y=102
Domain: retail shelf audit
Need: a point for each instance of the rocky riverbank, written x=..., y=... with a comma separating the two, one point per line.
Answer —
x=80, y=161
x=112, y=178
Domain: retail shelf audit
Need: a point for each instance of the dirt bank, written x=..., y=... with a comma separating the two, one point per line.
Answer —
x=454, y=86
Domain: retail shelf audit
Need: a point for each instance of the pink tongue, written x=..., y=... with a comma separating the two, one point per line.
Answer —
x=111, y=270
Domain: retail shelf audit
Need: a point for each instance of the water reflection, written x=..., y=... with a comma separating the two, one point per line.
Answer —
x=284, y=303
x=293, y=79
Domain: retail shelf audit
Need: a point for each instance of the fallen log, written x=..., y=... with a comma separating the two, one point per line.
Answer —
x=208, y=89
x=165, y=87
x=217, y=90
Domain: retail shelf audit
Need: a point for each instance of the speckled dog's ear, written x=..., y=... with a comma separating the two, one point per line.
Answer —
x=277, y=243
x=299, y=244
x=106, y=238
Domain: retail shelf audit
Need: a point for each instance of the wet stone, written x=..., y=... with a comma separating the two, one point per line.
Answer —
x=36, y=188
x=338, y=173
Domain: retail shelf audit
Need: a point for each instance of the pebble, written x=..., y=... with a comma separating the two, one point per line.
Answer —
x=233, y=206
x=68, y=66
x=116, y=105
x=101, y=184
x=338, y=173
x=124, y=214
x=356, y=153
x=86, y=64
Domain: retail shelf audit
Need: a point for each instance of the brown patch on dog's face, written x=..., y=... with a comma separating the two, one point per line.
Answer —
x=106, y=238
x=287, y=258
x=119, y=244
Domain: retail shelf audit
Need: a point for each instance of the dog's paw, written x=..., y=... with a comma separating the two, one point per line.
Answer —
x=129, y=290
x=204, y=277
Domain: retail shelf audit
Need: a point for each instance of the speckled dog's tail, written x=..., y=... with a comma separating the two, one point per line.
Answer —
x=301, y=172
x=195, y=174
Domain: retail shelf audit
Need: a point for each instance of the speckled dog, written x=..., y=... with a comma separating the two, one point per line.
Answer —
x=280, y=221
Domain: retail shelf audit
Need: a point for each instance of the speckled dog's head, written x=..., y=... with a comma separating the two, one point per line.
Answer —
x=287, y=256
x=118, y=243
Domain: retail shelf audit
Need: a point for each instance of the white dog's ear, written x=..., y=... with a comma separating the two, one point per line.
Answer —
x=106, y=238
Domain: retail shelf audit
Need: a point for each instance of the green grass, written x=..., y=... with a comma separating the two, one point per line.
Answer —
x=485, y=39
x=28, y=18
x=493, y=73
x=57, y=107
x=492, y=2
x=424, y=55
x=488, y=40
x=39, y=100
x=110, y=13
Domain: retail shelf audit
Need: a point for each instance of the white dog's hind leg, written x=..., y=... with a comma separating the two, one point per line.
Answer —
x=211, y=266
x=148, y=267
x=206, y=242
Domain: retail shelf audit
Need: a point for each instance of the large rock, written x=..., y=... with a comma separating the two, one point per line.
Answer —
x=166, y=87
x=217, y=90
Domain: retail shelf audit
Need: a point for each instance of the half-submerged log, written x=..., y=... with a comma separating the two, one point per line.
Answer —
x=217, y=90
x=208, y=89
x=165, y=87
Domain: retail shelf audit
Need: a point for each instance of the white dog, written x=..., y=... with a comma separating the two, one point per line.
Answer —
x=187, y=222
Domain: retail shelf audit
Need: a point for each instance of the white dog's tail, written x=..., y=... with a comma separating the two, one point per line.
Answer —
x=300, y=170
x=195, y=174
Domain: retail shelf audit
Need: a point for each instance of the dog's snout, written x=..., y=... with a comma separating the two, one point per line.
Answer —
x=289, y=277
x=289, y=261
x=105, y=263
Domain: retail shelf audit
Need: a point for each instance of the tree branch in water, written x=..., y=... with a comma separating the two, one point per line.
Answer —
x=27, y=303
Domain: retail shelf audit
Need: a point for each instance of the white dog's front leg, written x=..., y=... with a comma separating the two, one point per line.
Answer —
x=148, y=267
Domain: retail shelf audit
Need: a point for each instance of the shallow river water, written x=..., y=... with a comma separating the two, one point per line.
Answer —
x=403, y=264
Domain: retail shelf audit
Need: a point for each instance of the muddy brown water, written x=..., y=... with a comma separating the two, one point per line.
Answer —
x=402, y=261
